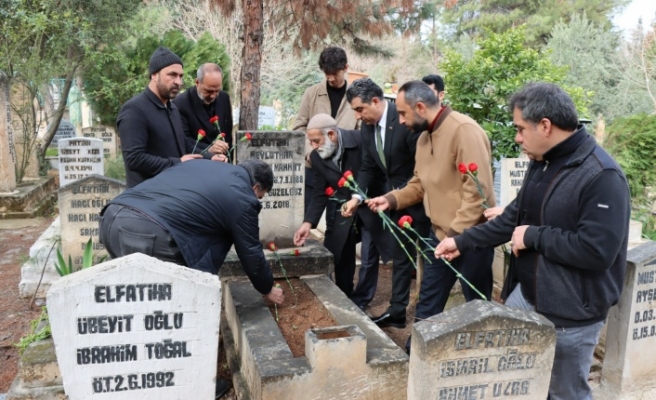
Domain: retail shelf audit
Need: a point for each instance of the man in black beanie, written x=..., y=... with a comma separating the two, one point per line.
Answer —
x=149, y=124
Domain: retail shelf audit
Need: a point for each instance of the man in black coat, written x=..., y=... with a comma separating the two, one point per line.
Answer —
x=335, y=152
x=203, y=103
x=191, y=215
x=149, y=125
x=388, y=150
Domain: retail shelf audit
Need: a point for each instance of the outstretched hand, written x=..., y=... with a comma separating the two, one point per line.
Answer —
x=275, y=295
x=447, y=249
x=378, y=204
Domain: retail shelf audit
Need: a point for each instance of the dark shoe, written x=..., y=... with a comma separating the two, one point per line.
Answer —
x=387, y=319
x=221, y=388
x=408, y=344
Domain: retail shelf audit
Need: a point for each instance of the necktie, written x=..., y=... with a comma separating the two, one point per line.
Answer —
x=380, y=146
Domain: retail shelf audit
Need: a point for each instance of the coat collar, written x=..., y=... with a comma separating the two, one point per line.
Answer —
x=153, y=97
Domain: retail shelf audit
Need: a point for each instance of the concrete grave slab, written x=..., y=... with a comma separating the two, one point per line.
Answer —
x=481, y=350
x=41, y=265
x=136, y=327
x=364, y=364
x=628, y=369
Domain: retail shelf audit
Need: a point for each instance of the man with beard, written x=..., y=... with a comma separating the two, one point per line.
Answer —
x=204, y=102
x=335, y=152
x=149, y=125
x=451, y=198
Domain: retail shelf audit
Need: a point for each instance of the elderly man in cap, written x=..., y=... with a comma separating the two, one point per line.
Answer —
x=149, y=125
x=335, y=152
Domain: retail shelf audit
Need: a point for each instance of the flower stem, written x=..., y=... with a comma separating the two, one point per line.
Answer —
x=388, y=222
x=284, y=272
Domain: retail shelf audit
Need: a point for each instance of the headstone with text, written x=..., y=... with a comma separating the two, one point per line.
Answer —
x=80, y=203
x=481, y=350
x=282, y=208
x=628, y=370
x=107, y=134
x=7, y=154
x=266, y=117
x=512, y=177
x=79, y=158
x=136, y=327
x=65, y=130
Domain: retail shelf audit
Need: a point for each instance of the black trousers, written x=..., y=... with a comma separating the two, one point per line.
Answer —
x=124, y=231
x=402, y=265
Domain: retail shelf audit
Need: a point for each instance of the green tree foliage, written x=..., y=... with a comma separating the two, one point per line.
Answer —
x=632, y=141
x=588, y=50
x=481, y=86
x=121, y=71
x=477, y=17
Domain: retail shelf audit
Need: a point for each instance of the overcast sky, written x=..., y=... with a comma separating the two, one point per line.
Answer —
x=633, y=12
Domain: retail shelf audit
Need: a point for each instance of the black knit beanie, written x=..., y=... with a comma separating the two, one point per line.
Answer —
x=162, y=58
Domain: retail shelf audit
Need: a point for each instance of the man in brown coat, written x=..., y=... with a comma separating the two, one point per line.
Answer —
x=450, y=198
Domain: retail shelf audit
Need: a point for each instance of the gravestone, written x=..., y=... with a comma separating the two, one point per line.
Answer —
x=481, y=350
x=629, y=369
x=512, y=177
x=136, y=327
x=266, y=117
x=282, y=208
x=107, y=134
x=7, y=154
x=65, y=130
x=80, y=203
x=79, y=158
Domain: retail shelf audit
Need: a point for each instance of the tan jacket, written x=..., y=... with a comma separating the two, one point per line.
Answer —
x=450, y=198
x=315, y=101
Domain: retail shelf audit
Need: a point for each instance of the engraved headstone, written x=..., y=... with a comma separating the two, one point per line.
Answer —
x=107, y=134
x=481, y=350
x=512, y=177
x=628, y=369
x=282, y=208
x=79, y=158
x=266, y=117
x=65, y=130
x=7, y=154
x=80, y=203
x=136, y=328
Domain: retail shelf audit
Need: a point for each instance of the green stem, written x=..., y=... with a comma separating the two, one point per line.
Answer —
x=388, y=221
x=284, y=272
x=194, y=150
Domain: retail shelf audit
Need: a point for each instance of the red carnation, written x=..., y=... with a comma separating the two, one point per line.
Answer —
x=223, y=135
x=462, y=168
x=272, y=246
x=214, y=119
x=248, y=136
x=343, y=182
x=473, y=167
x=348, y=175
x=201, y=134
x=406, y=219
x=296, y=253
x=330, y=191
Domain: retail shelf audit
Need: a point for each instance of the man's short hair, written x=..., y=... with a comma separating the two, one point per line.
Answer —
x=418, y=91
x=435, y=80
x=207, y=68
x=260, y=173
x=365, y=89
x=332, y=60
x=546, y=100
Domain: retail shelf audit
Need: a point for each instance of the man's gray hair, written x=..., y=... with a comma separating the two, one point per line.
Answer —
x=365, y=89
x=546, y=100
x=207, y=68
x=418, y=91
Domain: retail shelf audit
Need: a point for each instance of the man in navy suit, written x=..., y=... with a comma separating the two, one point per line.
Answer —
x=335, y=152
x=388, y=150
x=204, y=102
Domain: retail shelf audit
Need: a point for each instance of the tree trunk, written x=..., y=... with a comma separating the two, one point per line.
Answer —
x=59, y=113
x=251, y=63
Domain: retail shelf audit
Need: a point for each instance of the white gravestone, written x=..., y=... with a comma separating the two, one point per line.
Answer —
x=481, y=350
x=7, y=151
x=79, y=158
x=282, y=208
x=512, y=177
x=80, y=203
x=629, y=369
x=266, y=117
x=136, y=328
x=107, y=134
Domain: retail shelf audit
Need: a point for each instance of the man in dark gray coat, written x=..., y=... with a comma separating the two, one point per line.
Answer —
x=150, y=127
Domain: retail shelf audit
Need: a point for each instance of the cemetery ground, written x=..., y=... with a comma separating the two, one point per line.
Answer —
x=16, y=237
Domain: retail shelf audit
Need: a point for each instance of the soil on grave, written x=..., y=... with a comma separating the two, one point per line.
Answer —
x=15, y=312
x=301, y=311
